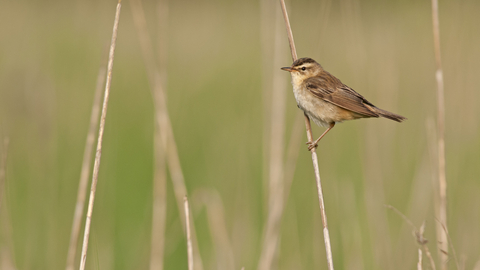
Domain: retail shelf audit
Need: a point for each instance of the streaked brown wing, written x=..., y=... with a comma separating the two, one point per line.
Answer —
x=342, y=96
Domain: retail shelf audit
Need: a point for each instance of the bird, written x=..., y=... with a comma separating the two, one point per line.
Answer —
x=326, y=100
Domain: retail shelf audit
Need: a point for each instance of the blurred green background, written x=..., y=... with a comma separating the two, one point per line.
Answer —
x=50, y=53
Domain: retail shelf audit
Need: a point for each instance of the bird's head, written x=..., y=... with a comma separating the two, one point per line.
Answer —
x=304, y=68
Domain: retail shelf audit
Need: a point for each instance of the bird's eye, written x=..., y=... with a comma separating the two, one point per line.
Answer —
x=303, y=68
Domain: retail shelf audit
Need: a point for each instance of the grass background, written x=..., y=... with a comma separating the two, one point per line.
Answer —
x=50, y=52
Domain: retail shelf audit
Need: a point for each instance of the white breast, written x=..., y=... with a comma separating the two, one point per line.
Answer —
x=320, y=112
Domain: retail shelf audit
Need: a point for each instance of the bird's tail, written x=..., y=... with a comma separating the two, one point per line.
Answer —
x=389, y=115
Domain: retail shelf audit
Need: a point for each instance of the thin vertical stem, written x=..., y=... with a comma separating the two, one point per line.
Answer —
x=211, y=200
x=266, y=23
x=189, y=238
x=276, y=166
x=442, y=181
x=160, y=103
x=162, y=117
x=87, y=156
x=418, y=233
x=429, y=256
x=291, y=42
x=451, y=245
x=420, y=259
x=159, y=208
x=323, y=214
x=101, y=129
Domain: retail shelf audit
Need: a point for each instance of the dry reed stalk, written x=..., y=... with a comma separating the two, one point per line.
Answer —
x=162, y=117
x=326, y=235
x=430, y=130
x=189, y=238
x=442, y=203
x=290, y=164
x=420, y=257
x=418, y=233
x=276, y=166
x=96, y=166
x=266, y=51
x=218, y=228
x=425, y=247
x=418, y=204
x=451, y=245
x=87, y=157
x=162, y=40
x=159, y=208
x=276, y=215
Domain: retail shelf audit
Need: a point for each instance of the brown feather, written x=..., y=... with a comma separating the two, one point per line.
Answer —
x=332, y=90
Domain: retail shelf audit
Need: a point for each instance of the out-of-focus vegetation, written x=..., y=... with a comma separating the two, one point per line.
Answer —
x=50, y=53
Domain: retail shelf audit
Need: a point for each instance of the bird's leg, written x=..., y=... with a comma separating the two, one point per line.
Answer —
x=311, y=145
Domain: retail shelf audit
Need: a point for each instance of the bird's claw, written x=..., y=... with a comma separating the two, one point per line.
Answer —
x=311, y=145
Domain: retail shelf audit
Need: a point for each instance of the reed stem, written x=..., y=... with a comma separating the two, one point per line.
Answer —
x=96, y=166
x=326, y=234
x=442, y=181
x=83, y=183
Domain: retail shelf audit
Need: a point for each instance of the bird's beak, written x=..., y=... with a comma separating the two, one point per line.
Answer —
x=289, y=69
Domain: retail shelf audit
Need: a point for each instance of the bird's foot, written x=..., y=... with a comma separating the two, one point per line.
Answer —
x=311, y=145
